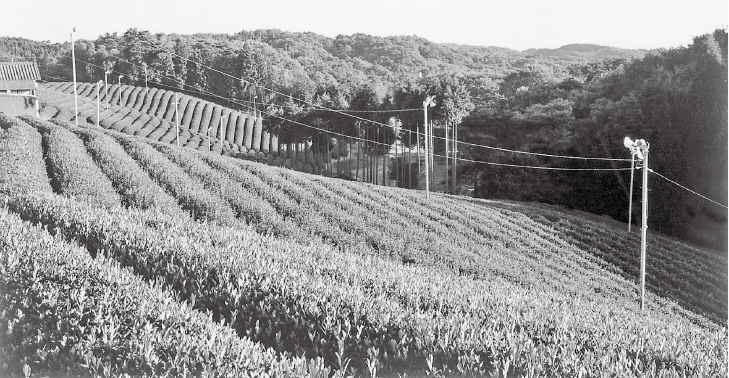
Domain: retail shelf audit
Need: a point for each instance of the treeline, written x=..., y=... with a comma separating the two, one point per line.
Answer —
x=674, y=99
x=318, y=69
x=569, y=102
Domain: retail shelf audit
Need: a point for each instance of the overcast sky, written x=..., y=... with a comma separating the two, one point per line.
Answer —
x=515, y=24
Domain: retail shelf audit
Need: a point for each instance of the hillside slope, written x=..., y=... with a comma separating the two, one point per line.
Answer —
x=355, y=276
x=589, y=52
x=150, y=113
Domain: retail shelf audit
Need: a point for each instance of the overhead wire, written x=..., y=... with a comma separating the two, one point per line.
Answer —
x=436, y=155
x=321, y=107
x=534, y=167
x=685, y=188
x=354, y=116
x=33, y=19
x=208, y=93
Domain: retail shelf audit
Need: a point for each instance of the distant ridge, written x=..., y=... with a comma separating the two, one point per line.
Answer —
x=589, y=51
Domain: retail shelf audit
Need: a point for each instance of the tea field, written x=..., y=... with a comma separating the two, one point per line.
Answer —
x=123, y=256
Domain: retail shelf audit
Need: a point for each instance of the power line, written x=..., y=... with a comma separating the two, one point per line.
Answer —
x=437, y=155
x=321, y=107
x=535, y=167
x=267, y=113
x=380, y=143
x=536, y=153
x=376, y=111
x=42, y=23
x=685, y=188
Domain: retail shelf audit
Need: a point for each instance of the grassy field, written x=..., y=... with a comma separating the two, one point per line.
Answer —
x=121, y=255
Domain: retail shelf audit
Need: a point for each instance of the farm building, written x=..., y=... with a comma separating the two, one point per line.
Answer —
x=18, y=86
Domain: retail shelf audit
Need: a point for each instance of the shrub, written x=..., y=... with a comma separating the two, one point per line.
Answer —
x=206, y=117
x=189, y=111
x=151, y=125
x=135, y=96
x=128, y=178
x=197, y=115
x=237, y=134
x=190, y=193
x=114, y=118
x=171, y=135
x=165, y=101
x=23, y=168
x=70, y=315
x=161, y=130
x=181, y=107
x=154, y=105
x=231, y=117
x=73, y=172
x=148, y=97
x=214, y=123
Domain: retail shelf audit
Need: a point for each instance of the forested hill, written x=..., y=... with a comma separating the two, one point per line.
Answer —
x=311, y=63
x=578, y=100
x=589, y=52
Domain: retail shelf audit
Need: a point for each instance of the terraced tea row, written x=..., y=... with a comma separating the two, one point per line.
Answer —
x=152, y=112
x=365, y=277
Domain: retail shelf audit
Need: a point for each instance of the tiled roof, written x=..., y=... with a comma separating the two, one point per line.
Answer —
x=19, y=71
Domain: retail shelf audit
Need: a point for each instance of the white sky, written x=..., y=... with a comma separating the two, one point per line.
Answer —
x=516, y=24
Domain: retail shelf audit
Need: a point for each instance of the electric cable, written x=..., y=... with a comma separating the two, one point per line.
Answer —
x=534, y=167
x=350, y=115
x=685, y=188
x=321, y=107
x=344, y=112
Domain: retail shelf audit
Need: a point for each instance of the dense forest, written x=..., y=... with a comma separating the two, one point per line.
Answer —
x=579, y=100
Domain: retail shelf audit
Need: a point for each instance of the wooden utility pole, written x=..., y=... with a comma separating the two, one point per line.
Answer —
x=644, y=226
x=177, y=121
x=630, y=197
x=410, y=170
x=220, y=130
x=455, y=159
x=417, y=140
x=640, y=148
x=120, y=90
x=98, y=103
x=429, y=102
x=106, y=87
x=75, y=91
x=359, y=149
x=446, y=156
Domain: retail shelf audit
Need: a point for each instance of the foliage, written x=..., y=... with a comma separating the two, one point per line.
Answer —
x=362, y=279
x=21, y=152
x=675, y=99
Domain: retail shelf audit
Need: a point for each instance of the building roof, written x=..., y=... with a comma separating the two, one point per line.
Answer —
x=17, y=71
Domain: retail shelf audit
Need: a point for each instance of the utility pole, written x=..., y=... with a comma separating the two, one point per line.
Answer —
x=98, y=103
x=432, y=153
x=220, y=128
x=630, y=197
x=384, y=158
x=75, y=91
x=120, y=77
x=106, y=87
x=417, y=140
x=644, y=226
x=640, y=148
x=429, y=102
x=446, y=156
x=455, y=158
x=410, y=170
x=359, y=149
x=177, y=121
